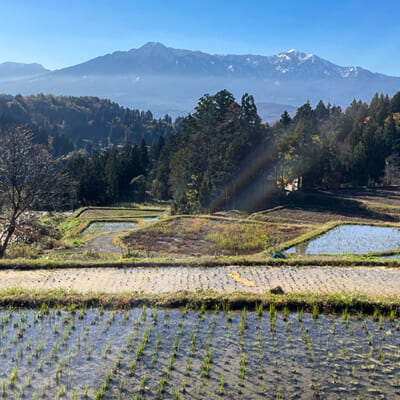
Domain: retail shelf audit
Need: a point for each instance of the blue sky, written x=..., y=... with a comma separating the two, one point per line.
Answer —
x=62, y=33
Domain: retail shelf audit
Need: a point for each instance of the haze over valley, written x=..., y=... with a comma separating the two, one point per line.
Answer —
x=170, y=81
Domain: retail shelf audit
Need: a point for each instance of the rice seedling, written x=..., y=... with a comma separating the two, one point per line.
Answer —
x=285, y=313
x=193, y=342
x=289, y=328
x=86, y=391
x=184, y=386
x=345, y=317
x=171, y=362
x=342, y=358
x=60, y=392
x=154, y=316
x=242, y=368
x=117, y=362
x=142, y=387
x=175, y=347
x=202, y=310
x=380, y=322
x=161, y=386
x=144, y=313
x=272, y=318
x=14, y=377
x=244, y=319
x=107, y=349
x=176, y=394
x=279, y=393
x=259, y=310
x=129, y=343
x=221, y=388
x=205, y=368
x=315, y=312
x=121, y=386
x=132, y=366
x=392, y=317
x=188, y=365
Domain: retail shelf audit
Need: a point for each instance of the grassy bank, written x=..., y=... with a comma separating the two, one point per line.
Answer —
x=204, y=262
x=204, y=299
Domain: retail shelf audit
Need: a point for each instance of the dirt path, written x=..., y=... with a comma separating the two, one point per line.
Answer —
x=104, y=244
x=370, y=281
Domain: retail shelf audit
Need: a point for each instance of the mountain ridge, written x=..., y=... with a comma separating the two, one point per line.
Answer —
x=11, y=69
x=142, y=60
x=170, y=81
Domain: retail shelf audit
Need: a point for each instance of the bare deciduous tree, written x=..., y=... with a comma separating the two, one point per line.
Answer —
x=28, y=179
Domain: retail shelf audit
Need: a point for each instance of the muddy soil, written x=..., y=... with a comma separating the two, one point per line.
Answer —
x=362, y=280
x=104, y=244
x=191, y=237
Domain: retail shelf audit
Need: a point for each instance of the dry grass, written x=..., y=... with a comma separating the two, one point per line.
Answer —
x=206, y=235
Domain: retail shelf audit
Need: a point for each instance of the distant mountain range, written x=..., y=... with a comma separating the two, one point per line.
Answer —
x=167, y=80
x=13, y=70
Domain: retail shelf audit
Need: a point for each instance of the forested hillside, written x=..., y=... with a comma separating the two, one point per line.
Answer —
x=224, y=157
x=68, y=123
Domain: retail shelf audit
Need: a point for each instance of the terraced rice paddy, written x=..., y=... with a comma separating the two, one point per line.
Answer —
x=97, y=227
x=370, y=281
x=154, y=353
x=351, y=239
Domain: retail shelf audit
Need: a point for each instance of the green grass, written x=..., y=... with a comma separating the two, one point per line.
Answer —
x=309, y=302
x=88, y=259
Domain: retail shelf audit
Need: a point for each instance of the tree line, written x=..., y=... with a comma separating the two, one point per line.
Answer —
x=66, y=123
x=222, y=156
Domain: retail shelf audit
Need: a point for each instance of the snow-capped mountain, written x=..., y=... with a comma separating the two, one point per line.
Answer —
x=155, y=58
x=168, y=80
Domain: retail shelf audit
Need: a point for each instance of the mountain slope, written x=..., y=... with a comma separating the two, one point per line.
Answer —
x=167, y=80
x=13, y=70
x=155, y=58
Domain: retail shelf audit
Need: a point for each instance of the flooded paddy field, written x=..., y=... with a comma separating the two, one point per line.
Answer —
x=351, y=239
x=155, y=353
x=97, y=227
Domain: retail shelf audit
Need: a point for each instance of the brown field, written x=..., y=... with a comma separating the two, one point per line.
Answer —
x=198, y=236
x=367, y=205
x=204, y=237
x=324, y=280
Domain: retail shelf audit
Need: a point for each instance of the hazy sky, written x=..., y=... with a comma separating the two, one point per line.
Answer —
x=60, y=33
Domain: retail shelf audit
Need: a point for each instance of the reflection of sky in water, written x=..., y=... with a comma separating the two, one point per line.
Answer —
x=97, y=227
x=392, y=257
x=325, y=355
x=351, y=239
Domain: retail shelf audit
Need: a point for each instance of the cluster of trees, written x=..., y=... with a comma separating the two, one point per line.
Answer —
x=223, y=156
x=69, y=123
x=212, y=162
x=331, y=148
x=110, y=176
